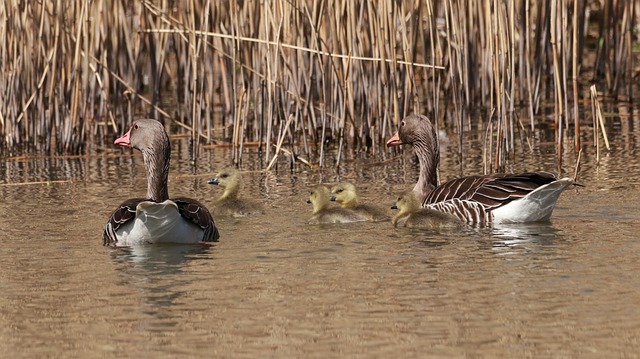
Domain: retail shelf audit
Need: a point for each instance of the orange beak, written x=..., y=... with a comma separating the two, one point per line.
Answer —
x=394, y=141
x=124, y=140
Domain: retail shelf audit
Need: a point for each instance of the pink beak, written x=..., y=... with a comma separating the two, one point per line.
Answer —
x=394, y=141
x=124, y=140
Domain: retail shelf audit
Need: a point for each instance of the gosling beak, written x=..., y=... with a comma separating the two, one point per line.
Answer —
x=395, y=206
x=332, y=197
x=214, y=180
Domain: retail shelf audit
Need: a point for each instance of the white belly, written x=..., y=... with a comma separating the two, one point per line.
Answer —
x=158, y=223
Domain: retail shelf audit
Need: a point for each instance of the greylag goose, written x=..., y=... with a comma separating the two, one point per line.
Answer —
x=156, y=218
x=411, y=214
x=230, y=203
x=502, y=197
x=322, y=213
x=346, y=195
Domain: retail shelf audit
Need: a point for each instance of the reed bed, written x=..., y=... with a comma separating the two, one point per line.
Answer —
x=297, y=76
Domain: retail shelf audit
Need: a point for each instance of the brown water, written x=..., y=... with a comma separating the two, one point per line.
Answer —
x=276, y=287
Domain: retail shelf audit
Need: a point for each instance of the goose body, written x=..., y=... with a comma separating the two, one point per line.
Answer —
x=230, y=203
x=496, y=198
x=322, y=213
x=411, y=214
x=156, y=218
x=157, y=223
x=346, y=195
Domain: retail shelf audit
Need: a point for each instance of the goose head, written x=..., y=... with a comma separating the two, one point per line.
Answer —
x=418, y=131
x=345, y=194
x=150, y=138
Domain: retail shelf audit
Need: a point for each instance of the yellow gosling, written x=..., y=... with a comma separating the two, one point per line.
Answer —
x=346, y=195
x=322, y=213
x=230, y=203
x=411, y=214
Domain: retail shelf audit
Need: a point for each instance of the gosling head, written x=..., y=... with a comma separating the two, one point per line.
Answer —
x=319, y=198
x=231, y=180
x=407, y=203
x=345, y=194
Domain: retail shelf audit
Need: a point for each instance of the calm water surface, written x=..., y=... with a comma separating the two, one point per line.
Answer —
x=276, y=287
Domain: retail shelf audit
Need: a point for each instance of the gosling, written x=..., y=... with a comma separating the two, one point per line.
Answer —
x=346, y=195
x=229, y=203
x=411, y=214
x=319, y=198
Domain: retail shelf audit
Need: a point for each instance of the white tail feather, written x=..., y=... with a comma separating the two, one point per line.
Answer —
x=535, y=207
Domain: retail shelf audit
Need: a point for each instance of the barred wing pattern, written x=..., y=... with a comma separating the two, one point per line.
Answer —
x=197, y=213
x=473, y=198
x=123, y=214
x=467, y=211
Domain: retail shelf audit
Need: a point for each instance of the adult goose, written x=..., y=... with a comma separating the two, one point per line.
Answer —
x=496, y=198
x=346, y=195
x=156, y=218
x=322, y=213
x=230, y=203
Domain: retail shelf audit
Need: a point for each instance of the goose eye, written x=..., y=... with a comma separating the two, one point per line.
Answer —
x=135, y=126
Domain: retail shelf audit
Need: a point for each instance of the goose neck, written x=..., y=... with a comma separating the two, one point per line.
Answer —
x=428, y=180
x=319, y=205
x=156, y=162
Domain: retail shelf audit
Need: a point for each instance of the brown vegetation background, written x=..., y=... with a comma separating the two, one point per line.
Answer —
x=299, y=72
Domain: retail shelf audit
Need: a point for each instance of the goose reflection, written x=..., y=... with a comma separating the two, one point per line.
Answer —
x=156, y=272
x=168, y=256
x=530, y=236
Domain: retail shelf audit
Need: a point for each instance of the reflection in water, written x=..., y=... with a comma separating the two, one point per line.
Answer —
x=503, y=237
x=162, y=258
x=541, y=231
x=156, y=272
x=276, y=287
x=433, y=238
x=508, y=237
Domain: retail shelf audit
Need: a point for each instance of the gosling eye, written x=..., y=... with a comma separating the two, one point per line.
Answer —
x=224, y=175
x=135, y=126
x=402, y=123
x=339, y=190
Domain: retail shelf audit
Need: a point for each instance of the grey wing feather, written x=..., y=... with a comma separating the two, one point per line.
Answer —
x=490, y=191
x=123, y=214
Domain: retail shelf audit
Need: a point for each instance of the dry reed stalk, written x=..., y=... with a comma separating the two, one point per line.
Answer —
x=345, y=70
x=574, y=78
x=238, y=137
x=487, y=147
x=598, y=122
x=594, y=113
x=557, y=47
x=281, y=136
x=526, y=60
x=34, y=183
x=294, y=47
x=576, y=170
